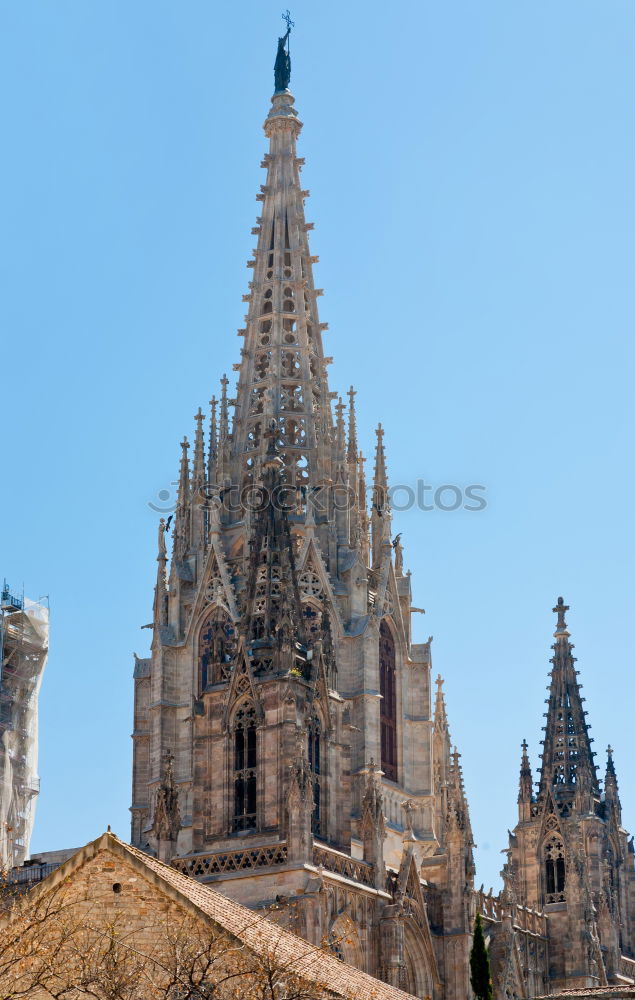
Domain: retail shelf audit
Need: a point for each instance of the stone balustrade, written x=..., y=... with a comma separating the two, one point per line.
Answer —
x=627, y=967
x=342, y=864
x=526, y=919
x=227, y=862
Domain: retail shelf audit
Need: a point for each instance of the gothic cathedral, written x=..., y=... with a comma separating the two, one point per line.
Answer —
x=286, y=745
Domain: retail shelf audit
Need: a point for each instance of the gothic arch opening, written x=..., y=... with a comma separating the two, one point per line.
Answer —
x=312, y=614
x=418, y=978
x=216, y=648
x=554, y=868
x=343, y=941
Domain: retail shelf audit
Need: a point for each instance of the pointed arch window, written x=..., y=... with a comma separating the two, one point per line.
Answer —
x=555, y=869
x=315, y=755
x=216, y=648
x=245, y=765
x=388, y=709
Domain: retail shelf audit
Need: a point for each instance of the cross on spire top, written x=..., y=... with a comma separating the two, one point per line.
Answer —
x=560, y=610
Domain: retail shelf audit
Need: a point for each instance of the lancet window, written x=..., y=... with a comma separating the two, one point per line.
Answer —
x=388, y=710
x=315, y=753
x=555, y=869
x=245, y=765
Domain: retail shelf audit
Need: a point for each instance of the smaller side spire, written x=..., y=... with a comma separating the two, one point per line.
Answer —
x=340, y=434
x=372, y=826
x=341, y=495
x=161, y=591
x=352, y=428
x=198, y=513
x=441, y=738
x=442, y=750
x=525, y=786
x=458, y=810
x=364, y=523
x=380, y=507
x=611, y=791
x=380, y=494
x=223, y=434
x=355, y=516
x=213, y=441
x=167, y=815
x=440, y=714
x=184, y=473
x=198, y=471
x=181, y=520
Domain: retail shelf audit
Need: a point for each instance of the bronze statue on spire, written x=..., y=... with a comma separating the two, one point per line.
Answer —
x=282, y=66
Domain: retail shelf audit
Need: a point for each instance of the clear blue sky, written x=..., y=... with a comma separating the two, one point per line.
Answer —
x=471, y=168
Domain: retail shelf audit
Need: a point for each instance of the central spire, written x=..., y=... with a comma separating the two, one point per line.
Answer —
x=283, y=368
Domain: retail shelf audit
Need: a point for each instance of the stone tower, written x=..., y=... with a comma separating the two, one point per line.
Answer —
x=283, y=685
x=568, y=854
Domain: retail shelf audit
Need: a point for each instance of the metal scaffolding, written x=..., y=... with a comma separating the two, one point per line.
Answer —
x=24, y=627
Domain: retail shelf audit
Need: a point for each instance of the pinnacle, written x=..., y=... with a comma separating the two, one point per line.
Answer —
x=352, y=427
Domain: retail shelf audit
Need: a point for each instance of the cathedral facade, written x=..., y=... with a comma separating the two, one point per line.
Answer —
x=290, y=746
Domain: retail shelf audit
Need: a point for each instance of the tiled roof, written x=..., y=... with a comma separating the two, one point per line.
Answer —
x=255, y=931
